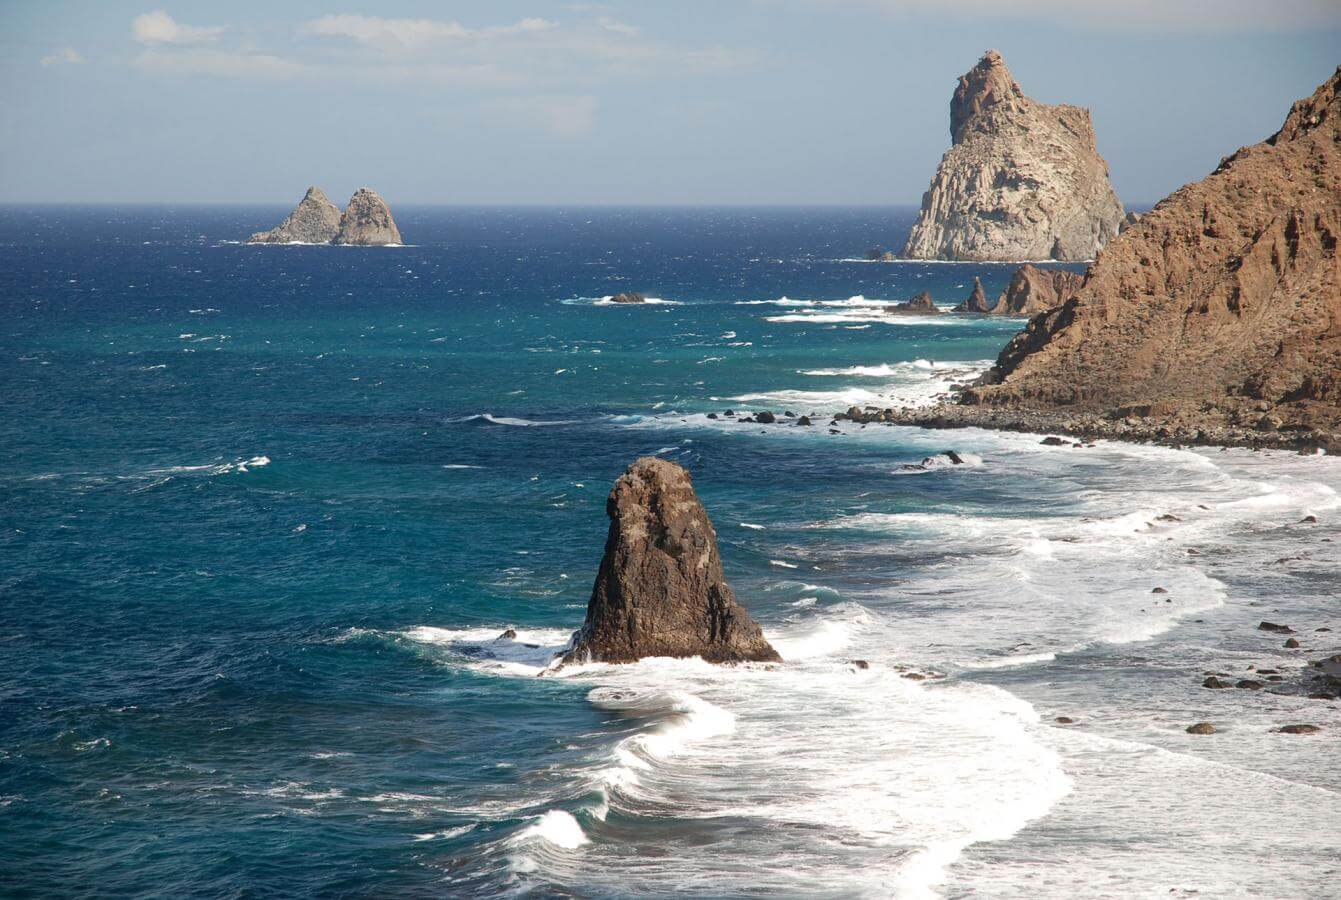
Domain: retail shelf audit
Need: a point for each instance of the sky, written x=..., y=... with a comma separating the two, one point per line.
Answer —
x=669, y=102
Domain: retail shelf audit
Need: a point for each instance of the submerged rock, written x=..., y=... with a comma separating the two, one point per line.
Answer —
x=315, y=220
x=1022, y=180
x=660, y=590
x=1299, y=729
x=367, y=221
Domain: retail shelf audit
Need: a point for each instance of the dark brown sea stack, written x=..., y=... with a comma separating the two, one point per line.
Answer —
x=1022, y=180
x=660, y=589
x=367, y=221
x=976, y=301
x=1033, y=290
x=920, y=305
x=1221, y=305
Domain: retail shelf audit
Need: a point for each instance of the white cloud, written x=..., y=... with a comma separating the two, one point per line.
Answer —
x=561, y=116
x=1129, y=15
x=617, y=26
x=405, y=33
x=160, y=28
x=64, y=56
x=220, y=64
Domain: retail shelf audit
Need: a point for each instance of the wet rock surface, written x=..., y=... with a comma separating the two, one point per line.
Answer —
x=660, y=590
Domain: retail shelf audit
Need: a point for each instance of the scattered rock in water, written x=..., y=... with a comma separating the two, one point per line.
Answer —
x=765, y=417
x=1160, y=590
x=1214, y=682
x=976, y=302
x=367, y=221
x=1308, y=520
x=1299, y=729
x=914, y=676
x=1053, y=441
x=804, y=420
x=315, y=220
x=1292, y=644
x=921, y=305
x=509, y=635
x=1064, y=720
x=1272, y=626
x=660, y=590
x=861, y=664
x=1248, y=684
x=1201, y=728
x=712, y=415
x=629, y=297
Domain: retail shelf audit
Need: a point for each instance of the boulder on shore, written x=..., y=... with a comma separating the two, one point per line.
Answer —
x=660, y=590
x=315, y=220
x=367, y=221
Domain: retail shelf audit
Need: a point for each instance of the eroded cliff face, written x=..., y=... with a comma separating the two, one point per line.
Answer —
x=315, y=220
x=1033, y=290
x=367, y=221
x=1023, y=180
x=660, y=589
x=1220, y=307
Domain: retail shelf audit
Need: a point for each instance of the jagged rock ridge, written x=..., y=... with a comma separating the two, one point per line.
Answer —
x=1220, y=309
x=1022, y=180
x=367, y=221
x=660, y=589
x=315, y=220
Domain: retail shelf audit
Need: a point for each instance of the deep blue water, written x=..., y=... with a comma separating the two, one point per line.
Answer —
x=244, y=485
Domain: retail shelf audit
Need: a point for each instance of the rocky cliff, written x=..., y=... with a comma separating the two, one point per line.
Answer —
x=315, y=220
x=1033, y=290
x=1022, y=180
x=660, y=589
x=1217, y=315
x=367, y=221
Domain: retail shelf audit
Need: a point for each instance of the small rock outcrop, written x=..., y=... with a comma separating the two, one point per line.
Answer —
x=921, y=305
x=315, y=220
x=1033, y=290
x=1022, y=180
x=875, y=254
x=660, y=589
x=1201, y=728
x=367, y=221
x=629, y=297
x=976, y=301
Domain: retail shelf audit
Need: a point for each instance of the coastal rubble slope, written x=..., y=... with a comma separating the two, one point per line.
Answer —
x=660, y=590
x=1219, y=309
x=1021, y=181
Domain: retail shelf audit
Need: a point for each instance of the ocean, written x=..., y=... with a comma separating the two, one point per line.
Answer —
x=265, y=512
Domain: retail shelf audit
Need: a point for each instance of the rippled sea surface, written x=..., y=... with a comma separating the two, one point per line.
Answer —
x=265, y=511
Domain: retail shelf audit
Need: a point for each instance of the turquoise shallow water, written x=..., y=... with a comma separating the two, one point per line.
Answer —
x=265, y=509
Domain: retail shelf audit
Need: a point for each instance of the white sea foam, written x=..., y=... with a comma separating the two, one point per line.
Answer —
x=558, y=828
x=513, y=421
